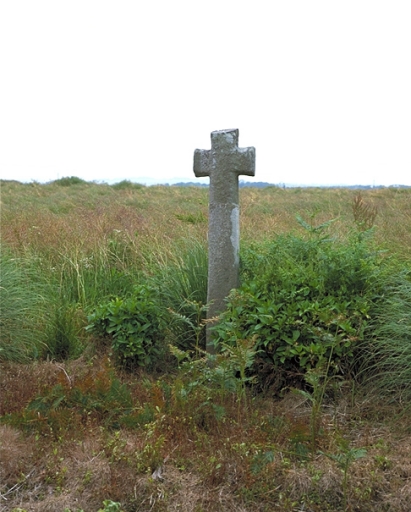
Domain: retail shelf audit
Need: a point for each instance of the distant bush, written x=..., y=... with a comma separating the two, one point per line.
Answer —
x=127, y=184
x=69, y=181
x=306, y=301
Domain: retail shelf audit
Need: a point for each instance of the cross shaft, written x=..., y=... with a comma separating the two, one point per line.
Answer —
x=223, y=164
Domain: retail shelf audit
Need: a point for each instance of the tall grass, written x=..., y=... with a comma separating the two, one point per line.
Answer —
x=63, y=335
x=86, y=279
x=182, y=281
x=22, y=310
x=387, y=364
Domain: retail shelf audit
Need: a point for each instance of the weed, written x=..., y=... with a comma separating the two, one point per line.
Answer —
x=344, y=460
x=110, y=506
x=241, y=357
x=68, y=404
x=184, y=321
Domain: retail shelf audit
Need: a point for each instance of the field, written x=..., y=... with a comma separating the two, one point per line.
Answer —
x=108, y=400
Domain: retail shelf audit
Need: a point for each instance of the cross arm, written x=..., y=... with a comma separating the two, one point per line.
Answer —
x=243, y=161
x=202, y=162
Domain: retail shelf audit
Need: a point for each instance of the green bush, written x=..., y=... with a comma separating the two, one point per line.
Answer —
x=135, y=325
x=68, y=181
x=127, y=184
x=305, y=300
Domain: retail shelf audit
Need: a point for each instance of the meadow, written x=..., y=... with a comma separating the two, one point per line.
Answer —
x=108, y=400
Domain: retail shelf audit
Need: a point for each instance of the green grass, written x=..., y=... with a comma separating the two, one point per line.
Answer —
x=22, y=310
x=182, y=281
x=388, y=356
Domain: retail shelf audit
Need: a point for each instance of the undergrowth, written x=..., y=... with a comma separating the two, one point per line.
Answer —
x=304, y=407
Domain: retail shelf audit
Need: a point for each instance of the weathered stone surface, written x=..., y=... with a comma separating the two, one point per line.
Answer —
x=223, y=164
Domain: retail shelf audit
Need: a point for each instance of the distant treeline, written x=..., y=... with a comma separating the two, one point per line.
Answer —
x=264, y=184
x=74, y=180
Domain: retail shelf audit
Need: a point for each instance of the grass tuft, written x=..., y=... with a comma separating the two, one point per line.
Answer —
x=22, y=308
x=387, y=364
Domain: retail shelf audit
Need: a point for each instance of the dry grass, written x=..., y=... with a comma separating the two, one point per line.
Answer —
x=202, y=463
x=14, y=389
x=57, y=219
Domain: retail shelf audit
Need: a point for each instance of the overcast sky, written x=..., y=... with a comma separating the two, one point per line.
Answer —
x=112, y=90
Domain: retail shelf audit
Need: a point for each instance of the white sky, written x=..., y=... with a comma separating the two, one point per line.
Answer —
x=111, y=90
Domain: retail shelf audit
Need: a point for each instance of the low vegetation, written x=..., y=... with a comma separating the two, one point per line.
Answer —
x=108, y=399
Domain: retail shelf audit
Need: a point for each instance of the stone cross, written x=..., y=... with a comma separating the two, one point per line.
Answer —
x=223, y=164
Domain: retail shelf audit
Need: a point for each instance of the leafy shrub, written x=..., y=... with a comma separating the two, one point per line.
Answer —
x=135, y=325
x=305, y=300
